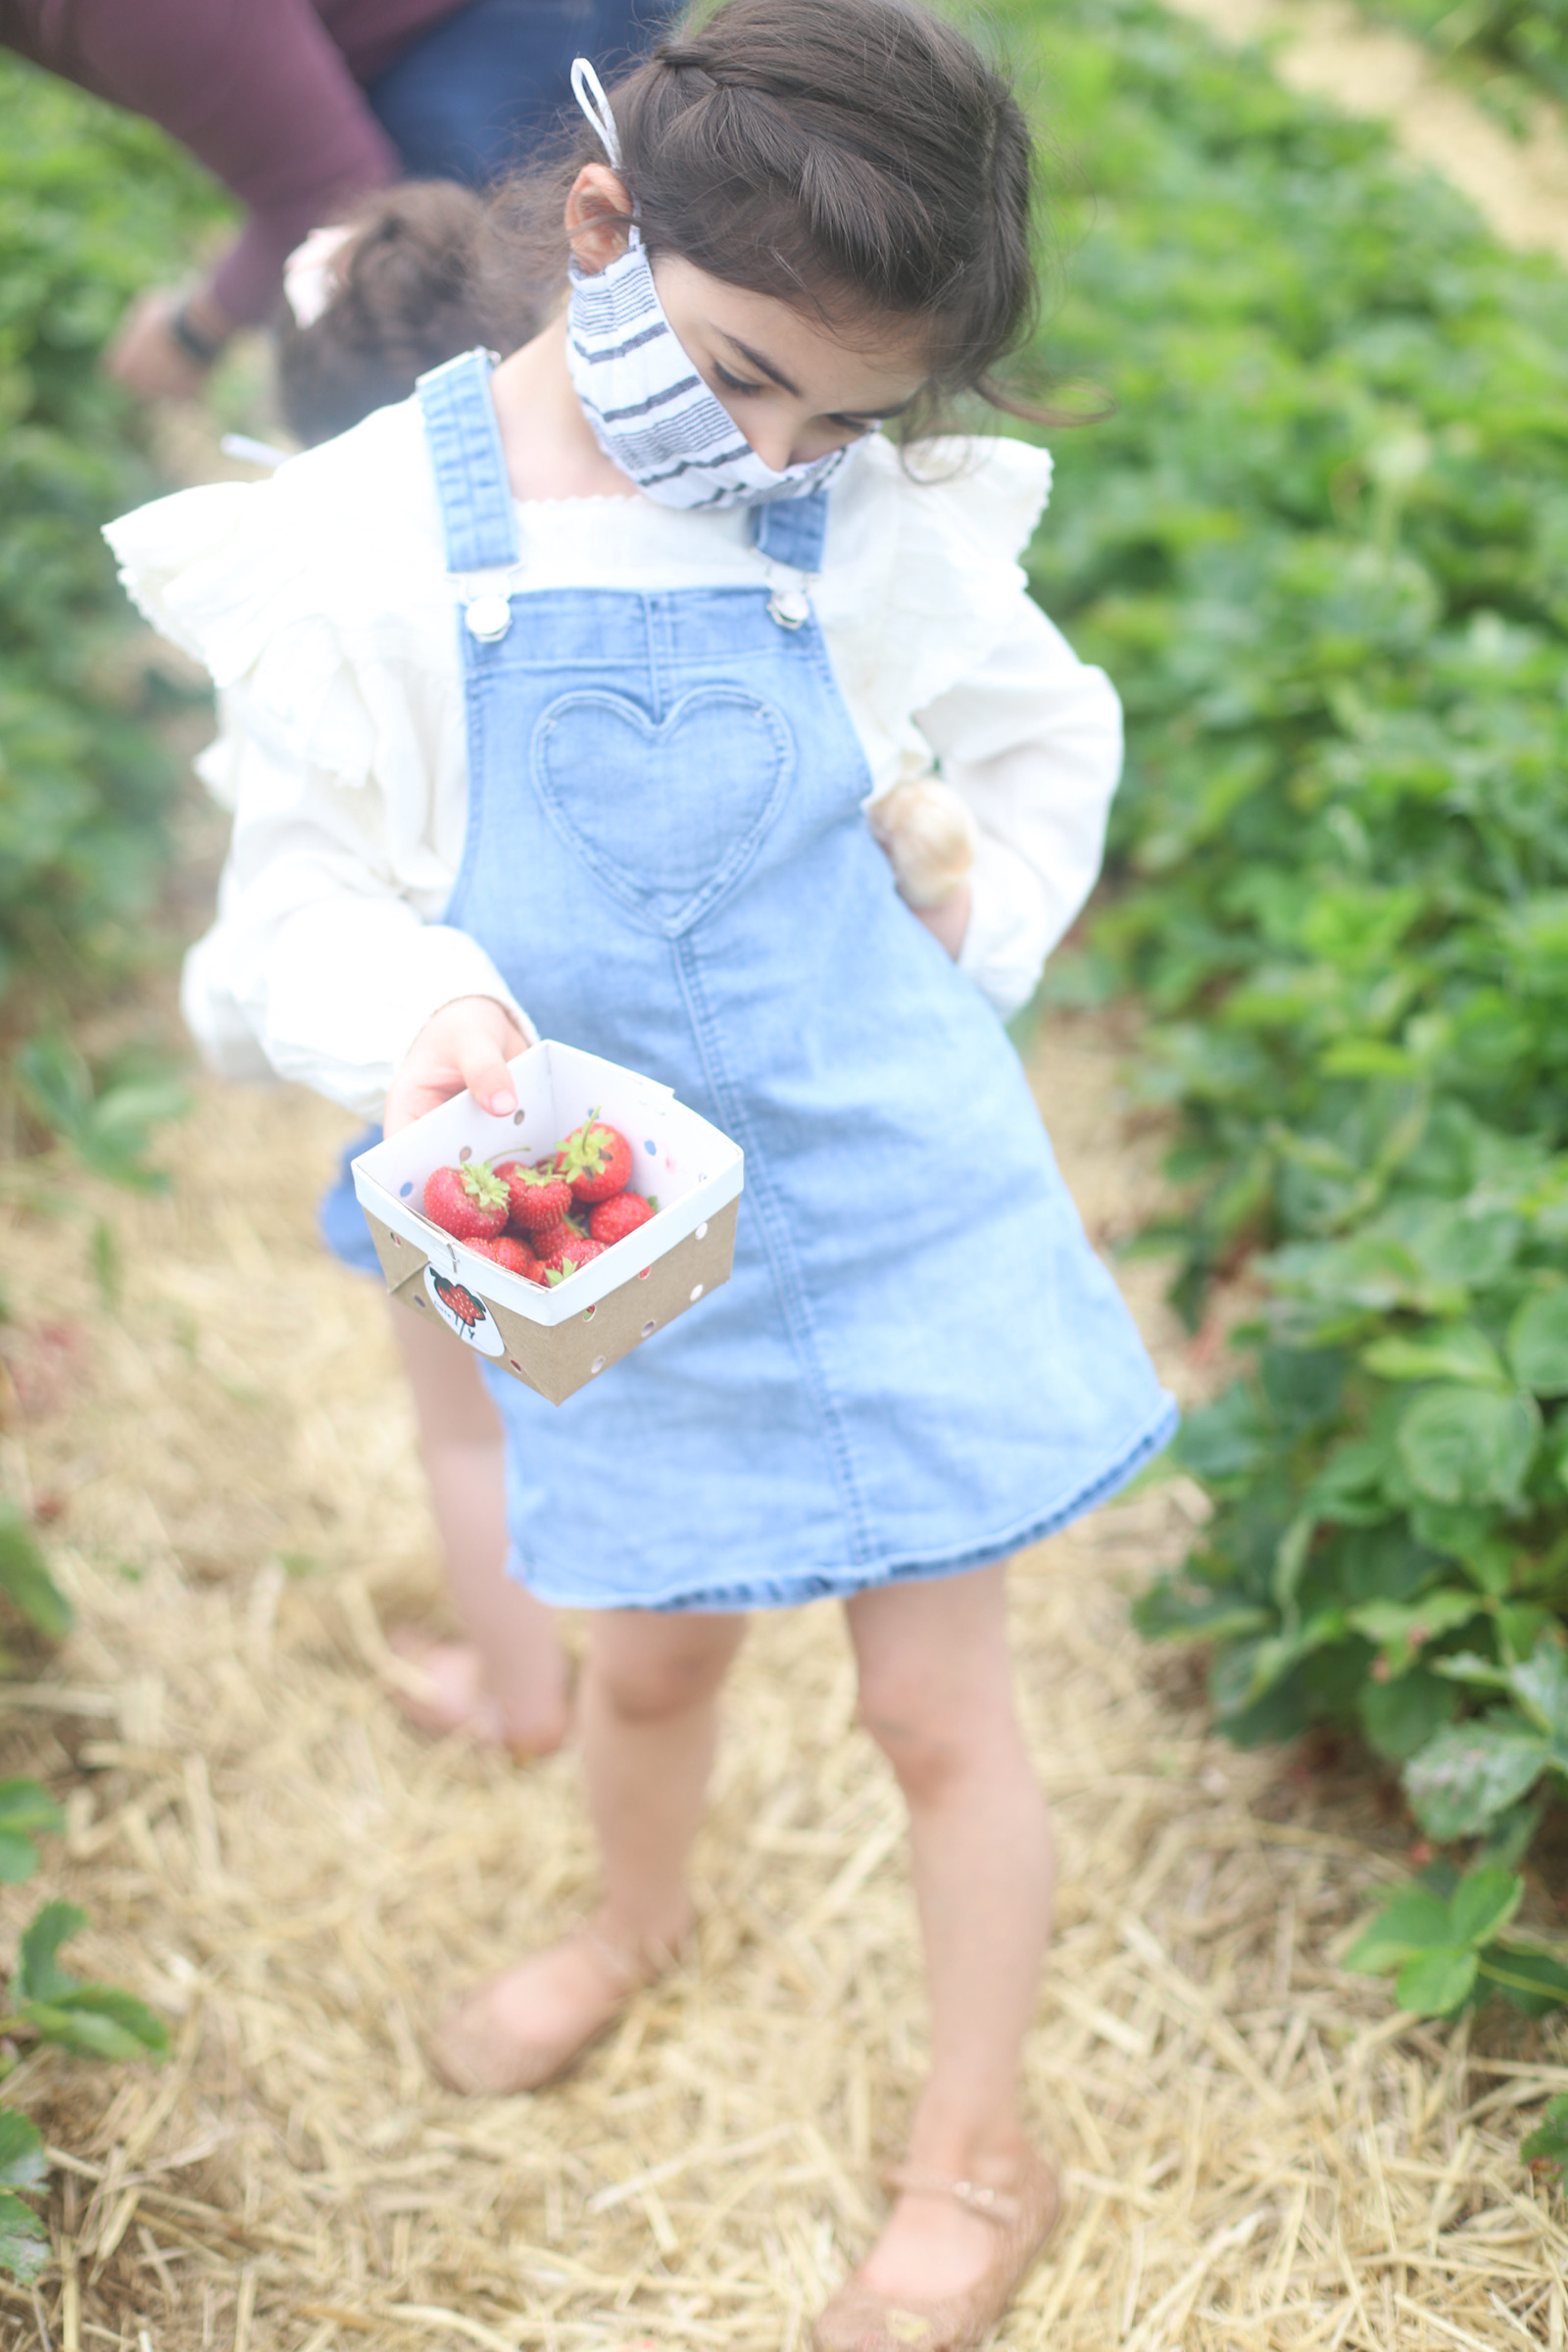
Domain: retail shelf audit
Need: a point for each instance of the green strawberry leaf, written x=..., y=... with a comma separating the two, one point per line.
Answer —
x=1466, y=1445
x=1540, y=1684
x=1401, y=1627
x=100, y=2020
x=25, y=1579
x=27, y=1807
x=1537, y=1343
x=1434, y=1984
x=23, y=2240
x=1413, y=1923
x=19, y=1858
x=38, y=1975
x=1471, y=1772
x=1460, y=1353
x=23, y=2163
x=1548, y=2145
x=1483, y=1904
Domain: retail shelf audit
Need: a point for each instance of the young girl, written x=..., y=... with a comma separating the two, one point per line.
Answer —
x=703, y=611
x=410, y=279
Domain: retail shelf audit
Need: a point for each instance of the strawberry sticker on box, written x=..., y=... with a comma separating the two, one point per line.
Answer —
x=558, y=1237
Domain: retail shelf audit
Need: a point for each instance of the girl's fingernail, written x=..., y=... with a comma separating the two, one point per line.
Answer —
x=502, y=1102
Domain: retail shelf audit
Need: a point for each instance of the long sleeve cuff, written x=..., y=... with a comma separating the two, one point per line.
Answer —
x=1011, y=927
x=336, y=997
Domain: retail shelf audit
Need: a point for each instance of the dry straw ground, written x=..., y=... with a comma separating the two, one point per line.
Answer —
x=1257, y=2153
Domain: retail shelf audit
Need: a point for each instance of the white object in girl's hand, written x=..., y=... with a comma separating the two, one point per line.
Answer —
x=311, y=283
x=928, y=835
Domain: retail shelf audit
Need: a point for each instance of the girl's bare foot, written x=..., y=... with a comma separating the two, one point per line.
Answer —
x=447, y=1692
x=528, y=2026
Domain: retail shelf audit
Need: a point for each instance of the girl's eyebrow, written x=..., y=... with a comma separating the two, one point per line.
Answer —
x=776, y=376
x=763, y=367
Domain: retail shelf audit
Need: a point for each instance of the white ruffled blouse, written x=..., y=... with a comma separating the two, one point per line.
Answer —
x=318, y=601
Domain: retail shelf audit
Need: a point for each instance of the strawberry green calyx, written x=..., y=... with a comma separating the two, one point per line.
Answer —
x=532, y=1178
x=586, y=1149
x=484, y=1188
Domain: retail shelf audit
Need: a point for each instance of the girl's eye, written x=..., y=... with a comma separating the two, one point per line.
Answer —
x=853, y=425
x=733, y=383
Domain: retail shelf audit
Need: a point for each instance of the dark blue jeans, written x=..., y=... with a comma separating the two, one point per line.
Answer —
x=471, y=98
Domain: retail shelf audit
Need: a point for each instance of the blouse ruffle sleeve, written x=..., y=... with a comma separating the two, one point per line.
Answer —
x=321, y=612
x=957, y=667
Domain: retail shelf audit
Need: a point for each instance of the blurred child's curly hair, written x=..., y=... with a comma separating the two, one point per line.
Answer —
x=409, y=289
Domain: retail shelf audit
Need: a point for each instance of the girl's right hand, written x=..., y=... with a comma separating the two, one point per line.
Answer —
x=466, y=1044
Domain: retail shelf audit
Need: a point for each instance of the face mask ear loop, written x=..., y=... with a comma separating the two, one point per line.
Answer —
x=589, y=92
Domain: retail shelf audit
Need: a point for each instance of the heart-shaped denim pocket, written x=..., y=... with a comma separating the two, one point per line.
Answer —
x=669, y=814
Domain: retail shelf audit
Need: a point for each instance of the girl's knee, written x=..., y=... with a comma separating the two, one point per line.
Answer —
x=934, y=1735
x=644, y=1680
x=928, y=1748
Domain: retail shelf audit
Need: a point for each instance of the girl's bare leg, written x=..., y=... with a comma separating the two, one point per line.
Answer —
x=510, y=1680
x=936, y=1695
x=649, y=1718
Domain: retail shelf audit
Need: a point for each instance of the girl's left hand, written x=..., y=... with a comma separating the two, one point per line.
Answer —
x=947, y=921
x=466, y=1044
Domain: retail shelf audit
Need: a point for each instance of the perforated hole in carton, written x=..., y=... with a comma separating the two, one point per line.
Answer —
x=597, y=1366
x=403, y=1190
x=649, y=1328
x=701, y=1235
x=465, y=1155
x=697, y=1294
x=588, y=1313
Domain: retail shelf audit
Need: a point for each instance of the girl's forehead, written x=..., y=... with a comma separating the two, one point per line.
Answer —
x=862, y=366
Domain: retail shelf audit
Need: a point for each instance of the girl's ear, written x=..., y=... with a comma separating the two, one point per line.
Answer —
x=598, y=211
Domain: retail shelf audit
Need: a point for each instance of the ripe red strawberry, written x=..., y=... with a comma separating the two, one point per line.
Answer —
x=470, y=1203
x=595, y=1159
x=552, y=1238
x=539, y=1196
x=507, y=1249
x=574, y=1252
x=611, y=1220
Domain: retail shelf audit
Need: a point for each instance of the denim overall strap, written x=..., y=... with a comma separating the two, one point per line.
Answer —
x=477, y=515
x=792, y=530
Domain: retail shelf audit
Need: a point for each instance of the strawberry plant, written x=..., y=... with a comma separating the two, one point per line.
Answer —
x=83, y=813
x=1442, y=1940
x=1545, y=2149
x=47, y=2004
x=1526, y=37
x=1320, y=545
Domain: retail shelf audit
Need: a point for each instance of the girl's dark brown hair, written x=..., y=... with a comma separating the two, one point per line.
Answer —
x=412, y=290
x=857, y=157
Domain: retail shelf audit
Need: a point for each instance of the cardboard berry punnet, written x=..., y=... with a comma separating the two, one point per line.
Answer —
x=558, y=1339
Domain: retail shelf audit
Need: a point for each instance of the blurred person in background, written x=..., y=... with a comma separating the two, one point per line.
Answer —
x=303, y=107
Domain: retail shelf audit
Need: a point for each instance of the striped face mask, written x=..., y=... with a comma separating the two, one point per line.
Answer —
x=651, y=412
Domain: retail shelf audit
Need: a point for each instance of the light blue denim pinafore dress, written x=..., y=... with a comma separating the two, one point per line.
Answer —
x=918, y=1365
